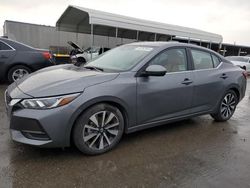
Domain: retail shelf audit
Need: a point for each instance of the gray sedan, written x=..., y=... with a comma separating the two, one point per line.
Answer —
x=129, y=88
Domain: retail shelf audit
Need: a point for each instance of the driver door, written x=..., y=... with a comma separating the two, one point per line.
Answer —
x=169, y=96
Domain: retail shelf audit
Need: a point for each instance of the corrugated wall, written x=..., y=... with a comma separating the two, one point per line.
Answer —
x=41, y=36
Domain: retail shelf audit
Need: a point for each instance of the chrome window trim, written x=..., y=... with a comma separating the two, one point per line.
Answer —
x=12, y=49
x=210, y=68
x=187, y=71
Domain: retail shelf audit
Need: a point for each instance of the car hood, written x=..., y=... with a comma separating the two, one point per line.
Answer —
x=61, y=79
x=75, y=46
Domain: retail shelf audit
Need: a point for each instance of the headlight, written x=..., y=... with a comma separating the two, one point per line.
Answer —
x=47, y=103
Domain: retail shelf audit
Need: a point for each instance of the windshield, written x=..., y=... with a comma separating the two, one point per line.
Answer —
x=92, y=50
x=237, y=58
x=121, y=58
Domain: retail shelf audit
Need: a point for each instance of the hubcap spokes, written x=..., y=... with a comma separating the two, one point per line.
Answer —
x=228, y=105
x=101, y=130
x=19, y=73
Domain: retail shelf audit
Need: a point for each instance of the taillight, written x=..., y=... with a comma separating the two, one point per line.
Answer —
x=244, y=73
x=47, y=55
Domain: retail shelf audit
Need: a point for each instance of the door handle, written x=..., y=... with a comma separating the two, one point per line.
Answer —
x=223, y=76
x=186, y=81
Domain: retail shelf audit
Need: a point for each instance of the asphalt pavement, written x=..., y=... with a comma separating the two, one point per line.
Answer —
x=193, y=153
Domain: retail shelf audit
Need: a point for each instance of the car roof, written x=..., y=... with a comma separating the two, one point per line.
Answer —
x=16, y=45
x=162, y=43
x=167, y=44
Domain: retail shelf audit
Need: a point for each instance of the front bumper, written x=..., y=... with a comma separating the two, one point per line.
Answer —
x=18, y=136
x=43, y=128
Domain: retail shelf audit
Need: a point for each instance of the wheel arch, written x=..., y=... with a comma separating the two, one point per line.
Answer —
x=233, y=87
x=17, y=64
x=236, y=89
x=107, y=100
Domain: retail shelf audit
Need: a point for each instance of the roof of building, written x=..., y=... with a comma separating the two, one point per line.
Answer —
x=79, y=19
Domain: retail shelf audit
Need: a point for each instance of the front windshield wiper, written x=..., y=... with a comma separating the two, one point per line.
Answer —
x=93, y=68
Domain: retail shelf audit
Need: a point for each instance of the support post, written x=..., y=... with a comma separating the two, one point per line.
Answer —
x=224, y=51
x=108, y=41
x=92, y=38
x=116, y=35
x=77, y=37
x=137, y=35
x=155, y=37
x=239, y=52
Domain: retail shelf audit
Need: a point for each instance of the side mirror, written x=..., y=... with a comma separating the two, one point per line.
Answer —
x=155, y=70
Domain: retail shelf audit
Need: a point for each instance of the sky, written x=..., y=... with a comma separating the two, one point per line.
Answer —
x=229, y=18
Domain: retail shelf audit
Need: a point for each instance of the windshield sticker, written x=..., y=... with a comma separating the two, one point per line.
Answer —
x=147, y=49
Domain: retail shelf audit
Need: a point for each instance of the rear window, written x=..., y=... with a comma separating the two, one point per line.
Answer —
x=202, y=60
x=215, y=60
x=3, y=46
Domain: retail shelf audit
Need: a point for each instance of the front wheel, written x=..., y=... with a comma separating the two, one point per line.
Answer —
x=226, y=107
x=99, y=129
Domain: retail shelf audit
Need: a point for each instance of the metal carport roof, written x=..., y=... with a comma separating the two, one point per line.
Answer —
x=84, y=20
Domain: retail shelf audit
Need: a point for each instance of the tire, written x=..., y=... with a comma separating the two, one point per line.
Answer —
x=18, y=69
x=226, y=107
x=93, y=134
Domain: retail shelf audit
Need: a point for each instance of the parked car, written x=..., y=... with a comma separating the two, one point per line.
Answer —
x=80, y=56
x=129, y=88
x=18, y=60
x=241, y=61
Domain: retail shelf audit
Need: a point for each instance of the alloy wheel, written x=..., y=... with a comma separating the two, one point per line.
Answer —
x=101, y=130
x=228, y=105
x=19, y=73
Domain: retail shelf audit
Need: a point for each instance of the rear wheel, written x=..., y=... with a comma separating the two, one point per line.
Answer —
x=17, y=72
x=99, y=129
x=226, y=107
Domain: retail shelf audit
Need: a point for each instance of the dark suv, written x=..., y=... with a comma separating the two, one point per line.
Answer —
x=18, y=60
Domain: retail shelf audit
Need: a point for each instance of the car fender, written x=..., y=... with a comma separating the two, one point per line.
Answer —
x=88, y=104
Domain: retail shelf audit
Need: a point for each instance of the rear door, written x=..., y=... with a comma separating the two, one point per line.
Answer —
x=208, y=80
x=6, y=54
x=164, y=97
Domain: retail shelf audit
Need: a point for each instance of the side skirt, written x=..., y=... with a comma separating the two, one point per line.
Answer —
x=165, y=121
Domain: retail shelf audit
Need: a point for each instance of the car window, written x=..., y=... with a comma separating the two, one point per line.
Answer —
x=202, y=60
x=4, y=46
x=174, y=60
x=215, y=60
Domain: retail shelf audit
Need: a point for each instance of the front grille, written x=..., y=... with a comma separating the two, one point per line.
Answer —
x=30, y=128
